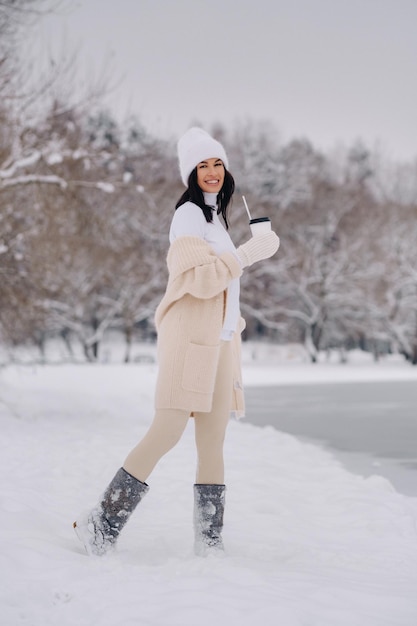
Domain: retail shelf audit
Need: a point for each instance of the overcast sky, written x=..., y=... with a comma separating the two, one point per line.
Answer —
x=330, y=70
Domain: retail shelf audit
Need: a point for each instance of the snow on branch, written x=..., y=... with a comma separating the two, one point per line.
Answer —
x=9, y=177
x=40, y=179
x=27, y=161
x=30, y=179
x=262, y=316
x=101, y=185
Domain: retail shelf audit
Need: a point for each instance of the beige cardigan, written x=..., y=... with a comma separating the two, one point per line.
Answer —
x=189, y=320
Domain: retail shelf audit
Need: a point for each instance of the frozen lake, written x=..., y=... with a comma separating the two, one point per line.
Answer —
x=370, y=426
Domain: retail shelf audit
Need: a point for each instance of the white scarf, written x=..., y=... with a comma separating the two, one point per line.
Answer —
x=232, y=315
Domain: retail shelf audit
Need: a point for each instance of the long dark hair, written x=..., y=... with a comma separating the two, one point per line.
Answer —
x=194, y=194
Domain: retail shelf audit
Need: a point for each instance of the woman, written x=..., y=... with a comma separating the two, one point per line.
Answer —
x=199, y=324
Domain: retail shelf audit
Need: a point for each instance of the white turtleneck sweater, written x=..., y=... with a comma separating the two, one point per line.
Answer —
x=189, y=221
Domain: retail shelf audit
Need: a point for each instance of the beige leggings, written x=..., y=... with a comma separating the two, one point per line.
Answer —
x=168, y=426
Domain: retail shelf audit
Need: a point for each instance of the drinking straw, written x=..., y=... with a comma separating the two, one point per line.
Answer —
x=246, y=207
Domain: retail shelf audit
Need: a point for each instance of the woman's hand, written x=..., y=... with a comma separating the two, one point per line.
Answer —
x=259, y=247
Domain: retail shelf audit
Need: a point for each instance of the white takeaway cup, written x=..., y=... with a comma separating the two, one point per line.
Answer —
x=260, y=225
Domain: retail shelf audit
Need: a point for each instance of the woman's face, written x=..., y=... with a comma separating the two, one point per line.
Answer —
x=210, y=175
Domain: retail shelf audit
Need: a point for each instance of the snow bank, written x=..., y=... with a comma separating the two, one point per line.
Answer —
x=271, y=364
x=308, y=544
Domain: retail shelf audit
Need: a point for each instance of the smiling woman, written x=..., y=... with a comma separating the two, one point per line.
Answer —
x=203, y=168
x=210, y=175
x=198, y=323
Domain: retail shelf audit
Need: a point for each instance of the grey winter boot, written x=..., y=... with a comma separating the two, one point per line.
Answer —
x=99, y=529
x=208, y=518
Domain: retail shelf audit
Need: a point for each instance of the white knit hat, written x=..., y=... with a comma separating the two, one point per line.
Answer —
x=195, y=146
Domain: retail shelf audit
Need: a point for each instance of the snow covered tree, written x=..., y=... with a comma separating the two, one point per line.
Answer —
x=76, y=205
x=313, y=292
x=397, y=305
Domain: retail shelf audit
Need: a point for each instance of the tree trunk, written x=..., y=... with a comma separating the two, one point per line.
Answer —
x=309, y=344
x=128, y=338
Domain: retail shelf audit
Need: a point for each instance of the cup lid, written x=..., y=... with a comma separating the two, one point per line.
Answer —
x=256, y=220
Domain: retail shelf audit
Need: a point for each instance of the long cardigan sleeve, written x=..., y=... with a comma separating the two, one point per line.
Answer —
x=195, y=269
x=189, y=320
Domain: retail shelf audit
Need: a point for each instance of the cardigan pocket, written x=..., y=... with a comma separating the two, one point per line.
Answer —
x=200, y=367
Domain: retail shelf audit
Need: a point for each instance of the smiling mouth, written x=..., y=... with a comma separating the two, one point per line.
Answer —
x=212, y=182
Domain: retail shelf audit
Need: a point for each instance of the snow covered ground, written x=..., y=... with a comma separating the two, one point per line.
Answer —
x=308, y=543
